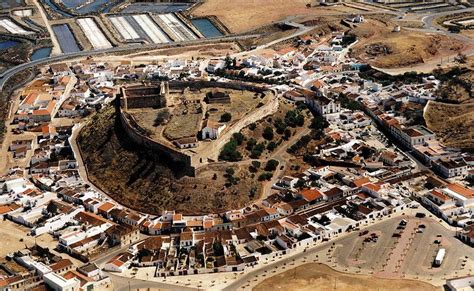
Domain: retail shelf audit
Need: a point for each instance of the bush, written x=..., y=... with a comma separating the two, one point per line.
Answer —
x=252, y=126
x=268, y=133
x=271, y=165
x=226, y=117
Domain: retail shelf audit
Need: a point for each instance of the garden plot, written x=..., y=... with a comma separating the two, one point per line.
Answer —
x=93, y=33
x=12, y=27
x=152, y=30
x=124, y=28
x=177, y=27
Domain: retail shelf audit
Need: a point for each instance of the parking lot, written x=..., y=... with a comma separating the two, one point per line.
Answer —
x=391, y=250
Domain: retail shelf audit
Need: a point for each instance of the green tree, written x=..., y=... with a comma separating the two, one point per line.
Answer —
x=271, y=146
x=226, y=117
x=229, y=152
x=238, y=137
x=268, y=133
x=271, y=165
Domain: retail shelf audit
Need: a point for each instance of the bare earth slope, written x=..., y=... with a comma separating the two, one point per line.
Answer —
x=131, y=176
x=453, y=123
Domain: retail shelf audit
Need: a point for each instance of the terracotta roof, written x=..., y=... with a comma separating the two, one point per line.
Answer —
x=106, y=207
x=61, y=264
x=311, y=194
x=361, y=181
x=461, y=190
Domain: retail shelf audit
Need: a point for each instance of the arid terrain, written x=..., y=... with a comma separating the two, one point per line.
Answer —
x=131, y=177
x=379, y=46
x=307, y=277
x=243, y=15
x=452, y=122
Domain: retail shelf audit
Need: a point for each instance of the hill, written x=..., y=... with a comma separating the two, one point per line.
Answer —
x=454, y=123
x=142, y=181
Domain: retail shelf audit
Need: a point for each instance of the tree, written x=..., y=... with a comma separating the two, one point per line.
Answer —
x=229, y=152
x=271, y=165
x=265, y=176
x=52, y=208
x=268, y=133
x=271, y=146
x=226, y=117
x=319, y=123
x=256, y=164
x=250, y=144
x=238, y=137
x=230, y=171
x=287, y=133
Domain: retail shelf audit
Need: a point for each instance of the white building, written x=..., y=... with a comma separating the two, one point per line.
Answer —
x=59, y=283
x=211, y=129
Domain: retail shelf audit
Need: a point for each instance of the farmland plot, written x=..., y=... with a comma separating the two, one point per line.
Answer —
x=93, y=33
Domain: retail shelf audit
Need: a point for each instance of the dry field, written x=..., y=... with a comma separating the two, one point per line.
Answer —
x=381, y=47
x=245, y=15
x=242, y=103
x=321, y=277
x=453, y=123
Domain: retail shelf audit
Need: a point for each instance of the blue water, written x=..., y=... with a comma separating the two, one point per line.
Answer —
x=41, y=53
x=8, y=44
x=57, y=9
x=206, y=27
x=94, y=6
